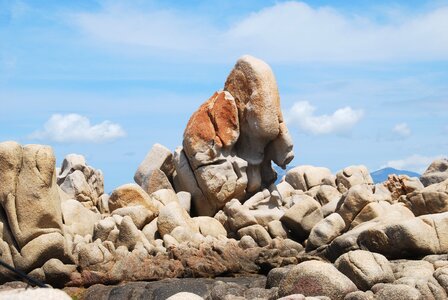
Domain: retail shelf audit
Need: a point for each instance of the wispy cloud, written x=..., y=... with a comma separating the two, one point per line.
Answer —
x=72, y=128
x=286, y=32
x=303, y=115
x=416, y=163
x=402, y=130
x=153, y=30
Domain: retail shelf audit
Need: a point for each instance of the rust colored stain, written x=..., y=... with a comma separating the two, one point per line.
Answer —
x=214, y=123
x=225, y=118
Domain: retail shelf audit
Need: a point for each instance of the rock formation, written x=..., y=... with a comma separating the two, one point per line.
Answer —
x=231, y=140
x=30, y=212
x=211, y=208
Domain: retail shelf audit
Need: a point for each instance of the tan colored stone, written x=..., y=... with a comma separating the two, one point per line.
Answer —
x=305, y=177
x=353, y=202
x=326, y=194
x=277, y=229
x=155, y=170
x=238, y=216
x=155, y=181
x=220, y=183
x=436, y=172
x=79, y=219
x=129, y=234
x=184, y=200
x=258, y=233
x=35, y=294
x=325, y=231
x=316, y=278
x=254, y=88
x=408, y=238
x=266, y=215
x=80, y=181
x=164, y=196
x=173, y=215
x=371, y=211
x=210, y=226
x=285, y=190
x=350, y=239
x=389, y=291
x=128, y=195
x=139, y=214
x=103, y=228
x=30, y=199
x=430, y=200
x=351, y=176
x=302, y=217
x=151, y=231
x=399, y=185
x=365, y=268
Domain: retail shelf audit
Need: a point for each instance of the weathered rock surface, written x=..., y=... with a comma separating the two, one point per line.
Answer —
x=402, y=185
x=221, y=137
x=30, y=213
x=325, y=231
x=316, y=278
x=365, y=268
x=155, y=170
x=130, y=194
x=212, y=208
x=306, y=177
x=409, y=238
x=352, y=176
x=81, y=181
x=78, y=219
x=436, y=172
x=173, y=215
x=302, y=217
x=430, y=200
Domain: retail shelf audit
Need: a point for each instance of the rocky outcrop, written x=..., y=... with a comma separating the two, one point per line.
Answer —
x=212, y=208
x=80, y=181
x=30, y=211
x=430, y=200
x=230, y=141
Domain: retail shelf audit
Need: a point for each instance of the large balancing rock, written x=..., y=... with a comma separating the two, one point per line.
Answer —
x=208, y=141
x=263, y=133
x=30, y=205
x=231, y=140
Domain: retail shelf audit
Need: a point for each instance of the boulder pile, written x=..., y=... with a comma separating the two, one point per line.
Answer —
x=212, y=208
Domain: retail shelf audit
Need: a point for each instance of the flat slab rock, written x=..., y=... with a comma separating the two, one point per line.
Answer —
x=163, y=289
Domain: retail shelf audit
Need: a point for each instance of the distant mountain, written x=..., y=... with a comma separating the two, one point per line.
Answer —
x=381, y=175
x=377, y=176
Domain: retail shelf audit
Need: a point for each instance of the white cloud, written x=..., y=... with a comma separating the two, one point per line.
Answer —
x=76, y=128
x=402, y=129
x=286, y=32
x=416, y=163
x=342, y=120
x=160, y=30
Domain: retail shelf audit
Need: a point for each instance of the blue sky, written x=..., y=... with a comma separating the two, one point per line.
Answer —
x=360, y=81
